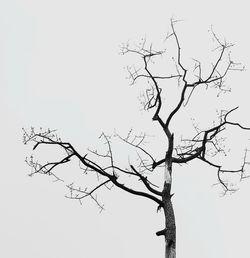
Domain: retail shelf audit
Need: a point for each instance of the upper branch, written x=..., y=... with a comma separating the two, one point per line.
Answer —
x=214, y=77
x=210, y=134
x=209, y=137
x=153, y=95
x=227, y=187
x=197, y=146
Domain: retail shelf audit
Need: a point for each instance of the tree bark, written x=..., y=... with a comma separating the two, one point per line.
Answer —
x=169, y=232
x=170, y=228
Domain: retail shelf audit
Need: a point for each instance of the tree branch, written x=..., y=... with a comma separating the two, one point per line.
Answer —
x=48, y=138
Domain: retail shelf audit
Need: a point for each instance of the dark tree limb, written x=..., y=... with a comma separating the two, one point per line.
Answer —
x=146, y=183
x=48, y=138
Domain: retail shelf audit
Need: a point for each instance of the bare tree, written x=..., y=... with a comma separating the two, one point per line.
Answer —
x=204, y=145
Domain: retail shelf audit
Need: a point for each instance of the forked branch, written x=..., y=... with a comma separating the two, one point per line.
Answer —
x=49, y=137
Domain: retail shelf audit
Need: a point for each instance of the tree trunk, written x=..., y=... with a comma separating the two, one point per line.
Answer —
x=169, y=232
x=170, y=228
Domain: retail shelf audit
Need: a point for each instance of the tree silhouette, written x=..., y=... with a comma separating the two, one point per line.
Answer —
x=204, y=145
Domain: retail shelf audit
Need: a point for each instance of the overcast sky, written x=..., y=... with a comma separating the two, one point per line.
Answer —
x=60, y=68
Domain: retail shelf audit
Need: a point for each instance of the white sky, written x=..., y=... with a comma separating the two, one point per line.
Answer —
x=60, y=68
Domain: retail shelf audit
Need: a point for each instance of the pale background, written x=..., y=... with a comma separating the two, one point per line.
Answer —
x=61, y=68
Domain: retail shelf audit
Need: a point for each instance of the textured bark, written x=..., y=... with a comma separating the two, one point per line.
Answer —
x=169, y=232
x=170, y=228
